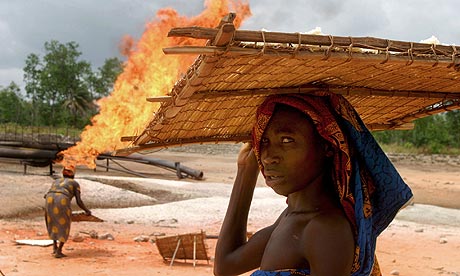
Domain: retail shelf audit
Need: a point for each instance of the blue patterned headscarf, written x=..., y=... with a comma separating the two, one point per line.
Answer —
x=371, y=191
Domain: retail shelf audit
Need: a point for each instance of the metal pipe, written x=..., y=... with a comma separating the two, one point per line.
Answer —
x=136, y=157
x=27, y=153
x=169, y=164
x=125, y=171
x=31, y=154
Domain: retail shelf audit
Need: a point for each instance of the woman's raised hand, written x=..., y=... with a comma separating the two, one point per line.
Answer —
x=247, y=158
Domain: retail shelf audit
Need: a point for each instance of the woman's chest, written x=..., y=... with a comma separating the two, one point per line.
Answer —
x=286, y=246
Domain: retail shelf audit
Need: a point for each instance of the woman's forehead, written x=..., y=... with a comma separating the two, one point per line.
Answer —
x=289, y=120
x=290, y=114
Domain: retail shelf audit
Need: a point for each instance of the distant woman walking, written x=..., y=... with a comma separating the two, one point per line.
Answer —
x=58, y=209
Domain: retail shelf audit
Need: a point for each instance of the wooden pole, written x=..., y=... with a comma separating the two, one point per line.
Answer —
x=319, y=40
x=175, y=252
x=194, y=251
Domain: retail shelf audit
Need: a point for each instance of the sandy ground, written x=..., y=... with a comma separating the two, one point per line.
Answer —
x=424, y=239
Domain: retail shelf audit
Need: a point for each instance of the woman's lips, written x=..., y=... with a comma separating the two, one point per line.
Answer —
x=273, y=180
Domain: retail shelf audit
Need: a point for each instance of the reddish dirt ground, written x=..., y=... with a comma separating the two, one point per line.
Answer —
x=405, y=248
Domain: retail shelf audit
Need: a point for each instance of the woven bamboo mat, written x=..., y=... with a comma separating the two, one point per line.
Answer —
x=190, y=246
x=390, y=83
x=81, y=216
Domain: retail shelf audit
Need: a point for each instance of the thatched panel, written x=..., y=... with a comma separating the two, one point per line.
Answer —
x=390, y=83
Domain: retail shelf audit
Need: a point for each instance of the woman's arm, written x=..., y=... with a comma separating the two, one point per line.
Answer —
x=78, y=199
x=234, y=255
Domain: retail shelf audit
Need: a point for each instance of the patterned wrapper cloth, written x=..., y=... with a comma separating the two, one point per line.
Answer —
x=58, y=209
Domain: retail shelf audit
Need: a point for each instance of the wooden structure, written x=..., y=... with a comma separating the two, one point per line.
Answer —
x=191, y=246
x=390, y=83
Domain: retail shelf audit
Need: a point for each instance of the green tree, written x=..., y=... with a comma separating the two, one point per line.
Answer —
x=32, y=73
x=62, y=88
x=79, y=105
x=453, y=124
x=106, y=76
x=11, y=104
x=58, y=85
x=62, y=80
x=432, y=134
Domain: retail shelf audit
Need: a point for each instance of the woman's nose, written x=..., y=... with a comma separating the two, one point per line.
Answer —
x=270, y=156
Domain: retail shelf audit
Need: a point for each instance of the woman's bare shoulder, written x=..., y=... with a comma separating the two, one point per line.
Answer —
x=331, y=221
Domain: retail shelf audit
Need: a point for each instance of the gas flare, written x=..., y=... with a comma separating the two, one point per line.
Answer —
x=148, y=72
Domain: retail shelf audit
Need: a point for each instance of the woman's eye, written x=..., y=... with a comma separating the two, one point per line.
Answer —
x=287, y=140
x=263, y=140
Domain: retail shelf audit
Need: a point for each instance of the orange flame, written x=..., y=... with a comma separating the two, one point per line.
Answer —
x=147, y=72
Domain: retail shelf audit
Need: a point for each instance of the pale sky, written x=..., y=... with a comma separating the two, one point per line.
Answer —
x=98, y=25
